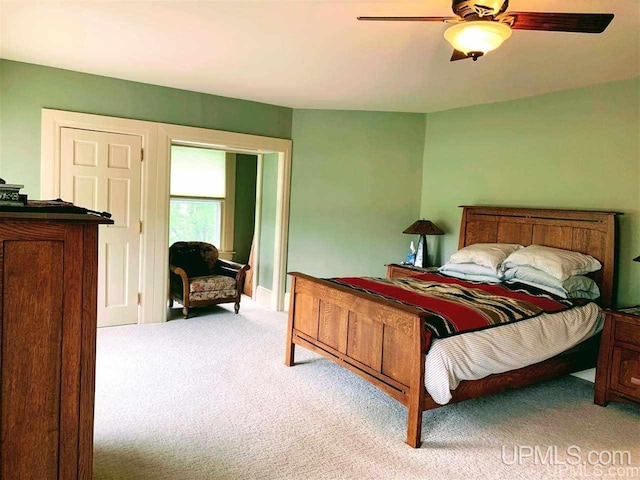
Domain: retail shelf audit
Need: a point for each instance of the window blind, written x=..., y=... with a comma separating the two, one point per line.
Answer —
x=197, y=172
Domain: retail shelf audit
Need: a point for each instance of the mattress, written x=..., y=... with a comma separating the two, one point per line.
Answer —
x=475, y=355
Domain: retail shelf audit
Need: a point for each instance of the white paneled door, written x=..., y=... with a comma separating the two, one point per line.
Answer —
x=102, y=171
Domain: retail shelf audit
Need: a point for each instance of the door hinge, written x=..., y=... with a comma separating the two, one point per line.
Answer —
x=142, y=154
x=139, y=299
x=140, y=226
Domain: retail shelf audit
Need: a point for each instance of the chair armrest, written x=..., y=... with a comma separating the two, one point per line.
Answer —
x=230, y=269
x=180, y=272
x=233, y=265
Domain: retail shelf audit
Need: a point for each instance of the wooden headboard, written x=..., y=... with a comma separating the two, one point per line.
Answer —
x=589, y=232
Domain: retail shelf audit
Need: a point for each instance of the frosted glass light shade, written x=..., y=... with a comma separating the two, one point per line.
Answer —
x=480, y=36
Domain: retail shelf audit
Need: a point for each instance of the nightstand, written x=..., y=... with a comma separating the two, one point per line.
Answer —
x=396, y=270
x=618, y=372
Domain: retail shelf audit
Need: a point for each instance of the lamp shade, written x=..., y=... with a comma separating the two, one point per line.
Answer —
x=477, y=37
x=423, y=227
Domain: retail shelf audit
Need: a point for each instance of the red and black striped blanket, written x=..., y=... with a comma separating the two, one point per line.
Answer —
x=457, y=306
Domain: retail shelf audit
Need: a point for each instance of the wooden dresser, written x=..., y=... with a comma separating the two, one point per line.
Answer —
x=48, y=285
x=618, y=372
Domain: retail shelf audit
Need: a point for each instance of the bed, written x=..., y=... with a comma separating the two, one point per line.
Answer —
x=382, y=341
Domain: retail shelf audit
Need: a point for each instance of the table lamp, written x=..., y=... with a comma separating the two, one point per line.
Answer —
x=422, y=228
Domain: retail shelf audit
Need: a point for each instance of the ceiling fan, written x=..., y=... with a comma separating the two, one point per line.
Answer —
x=482, y=26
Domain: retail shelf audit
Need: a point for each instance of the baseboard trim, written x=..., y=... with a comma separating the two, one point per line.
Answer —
x=264, y=297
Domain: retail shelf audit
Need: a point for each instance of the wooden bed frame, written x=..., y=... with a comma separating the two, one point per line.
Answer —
x=382, y=341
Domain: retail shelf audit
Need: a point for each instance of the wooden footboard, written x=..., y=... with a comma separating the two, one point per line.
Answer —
x=375, y=338
x=383, y=342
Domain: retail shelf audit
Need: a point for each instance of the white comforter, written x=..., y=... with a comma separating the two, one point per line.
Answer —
x=475, y=355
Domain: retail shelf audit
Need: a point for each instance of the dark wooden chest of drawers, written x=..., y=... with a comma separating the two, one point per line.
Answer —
x=48, y=287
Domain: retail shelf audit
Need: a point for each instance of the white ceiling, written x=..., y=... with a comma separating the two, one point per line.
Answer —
x=314, y=54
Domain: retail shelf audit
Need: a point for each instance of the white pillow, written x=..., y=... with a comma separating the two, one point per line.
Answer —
x=473, y=278
x=558, y=263
x=486, y=254
x=577, y=286
x=470, y=269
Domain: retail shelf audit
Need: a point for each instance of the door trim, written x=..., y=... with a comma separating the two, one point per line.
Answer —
x=53, y=121
x=156, y=140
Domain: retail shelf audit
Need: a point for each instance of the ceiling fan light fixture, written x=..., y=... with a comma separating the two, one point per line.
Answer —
x=477, y=37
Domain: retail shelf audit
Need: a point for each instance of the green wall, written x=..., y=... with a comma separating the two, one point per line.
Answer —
x=360, y=178
x=268, y=220
x=245, y=211
x=26, y=88
x=576, y=149
x=355, y=187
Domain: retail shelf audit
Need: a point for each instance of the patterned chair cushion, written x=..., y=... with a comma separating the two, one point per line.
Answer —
x=212, y=295
x=212, y=283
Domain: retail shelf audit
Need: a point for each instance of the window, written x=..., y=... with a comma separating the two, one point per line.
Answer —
x=201, y=200
x=195, y=219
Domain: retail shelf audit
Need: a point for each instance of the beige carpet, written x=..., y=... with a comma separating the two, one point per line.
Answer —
x=210, y=397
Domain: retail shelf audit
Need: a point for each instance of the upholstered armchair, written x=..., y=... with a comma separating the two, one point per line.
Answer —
x=197, y=277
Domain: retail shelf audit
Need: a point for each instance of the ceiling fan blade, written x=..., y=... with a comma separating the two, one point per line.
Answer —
x=407, y=19
x=458, y=55
x=561, y=22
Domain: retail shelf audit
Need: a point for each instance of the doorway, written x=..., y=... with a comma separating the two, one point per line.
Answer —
x=229, y=200
x=169, y=135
